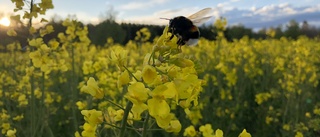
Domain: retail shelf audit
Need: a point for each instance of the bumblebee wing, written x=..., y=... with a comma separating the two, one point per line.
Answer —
x=200, y=21
x=200, y=14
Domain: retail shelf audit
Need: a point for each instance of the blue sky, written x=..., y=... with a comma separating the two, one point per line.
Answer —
x=251, y=13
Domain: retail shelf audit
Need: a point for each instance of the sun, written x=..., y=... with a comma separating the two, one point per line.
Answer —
x=5, y=21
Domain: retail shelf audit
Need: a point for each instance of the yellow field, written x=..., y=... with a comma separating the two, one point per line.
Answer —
x=68, y=87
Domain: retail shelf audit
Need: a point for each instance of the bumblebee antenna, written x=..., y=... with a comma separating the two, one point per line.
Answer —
x=165, y=18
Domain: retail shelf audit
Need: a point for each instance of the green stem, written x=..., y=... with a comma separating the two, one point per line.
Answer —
x=151, y=56
x=124, y=119
x=135, y=130
x=41, y=107
x=32, y=106
x=131, y=73
x=112, y=125
x=115, y=104
x=49, y=131
x=73, y=92
x=145, y=125
x=32, y=98
x=155, y=129
x=31, y=9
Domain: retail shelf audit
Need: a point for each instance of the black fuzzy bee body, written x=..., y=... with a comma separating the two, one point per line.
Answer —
x=185, y=30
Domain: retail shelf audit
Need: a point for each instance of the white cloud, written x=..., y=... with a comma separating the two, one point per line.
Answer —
x=265, y=10
x=155, y=17
x=6, y=7
x=253, y=8
x=81, y=16
x=283, y=5
x=289, y=10
x=221, y=5
x=312, y=9
x=272, y=15
x=141, y=4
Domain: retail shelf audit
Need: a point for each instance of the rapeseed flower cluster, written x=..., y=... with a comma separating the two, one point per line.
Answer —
x=143, y=88
x=92, y=118
x=156, y=88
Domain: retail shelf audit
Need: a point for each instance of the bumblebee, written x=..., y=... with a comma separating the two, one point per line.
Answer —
x=185, y=28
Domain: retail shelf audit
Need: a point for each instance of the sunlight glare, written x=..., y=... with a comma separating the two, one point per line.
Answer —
x=5, y=21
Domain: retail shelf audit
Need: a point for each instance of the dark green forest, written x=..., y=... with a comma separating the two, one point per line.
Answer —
x=123, y=32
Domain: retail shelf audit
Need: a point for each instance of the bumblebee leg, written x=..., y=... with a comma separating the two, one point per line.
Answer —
x=180, y=43
x=171, y=37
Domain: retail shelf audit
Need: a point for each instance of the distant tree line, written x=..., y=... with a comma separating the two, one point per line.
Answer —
x=123, y=32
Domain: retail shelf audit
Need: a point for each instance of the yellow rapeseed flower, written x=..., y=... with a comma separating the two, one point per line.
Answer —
x=48, y=99
x=81, y=105
x=18, y=118
x=109, y=116
x=11, y=133
x=262, y=97
x=164, y=121
x=119, y=115
x=182, y=62
x=190, y=132
x=87, y=67
x=5, y=127
x=269, y=120
x=22, y=100
x=32, y=30
x=46, y=4
x=137, y=109
x=48, y=29
x=93, y=117
x=206, y=130
x=77, y=134
x=194, y=115
x=137, y=93
x=11, y=32
x=89, y=130
x=218, y=133
x=119, y=57
x=149, y=74
x=36, y=42
x=286, y=127
x=93, y=89
x=316, y=111
x=36, y=58
x=19, y=3
x=308, y=115
x=123, y=78
x=174, y=126
x=158, y=107
x=244, y=133
x=298, y=134
x=54, y=44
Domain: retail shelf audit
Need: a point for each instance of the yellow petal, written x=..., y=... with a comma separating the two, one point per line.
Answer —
x=219, y=133
x=123, y=79
x=137, y=109
x=174, y=126
x=149, y=74
x=158, y=107
x=137, y=93
x=244, y=133
x=11, y=32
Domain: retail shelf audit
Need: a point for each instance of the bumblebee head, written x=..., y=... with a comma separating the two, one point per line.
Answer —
x=170, y=21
